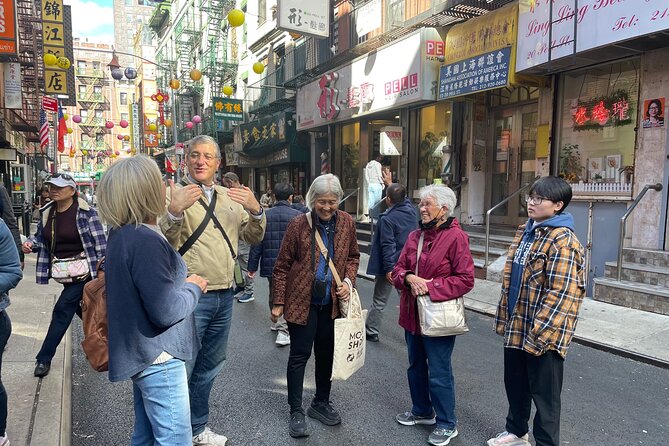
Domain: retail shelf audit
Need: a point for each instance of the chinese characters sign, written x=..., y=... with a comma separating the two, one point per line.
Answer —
x=53, y=35
x=598, y=23
x=264, y=132
x=484, y=72
x=12, y=81
x=7, y=27
x=599, y=112
x=228, y=109
x=305, y=17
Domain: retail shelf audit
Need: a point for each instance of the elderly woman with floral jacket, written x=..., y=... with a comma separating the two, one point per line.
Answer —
x=306, y=294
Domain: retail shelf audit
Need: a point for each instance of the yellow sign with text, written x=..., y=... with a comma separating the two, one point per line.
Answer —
x=52, y=11
x=55, y=81
x=53, y=34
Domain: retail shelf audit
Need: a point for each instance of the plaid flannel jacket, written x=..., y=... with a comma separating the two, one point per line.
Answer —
x=551, y=293
x=92, y=236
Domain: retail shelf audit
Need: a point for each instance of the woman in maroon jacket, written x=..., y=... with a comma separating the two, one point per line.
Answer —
x=445, y=272
x=306, y=294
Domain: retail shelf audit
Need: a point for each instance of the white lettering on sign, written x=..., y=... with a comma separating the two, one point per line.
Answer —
x=598, y=23
x=3, y=26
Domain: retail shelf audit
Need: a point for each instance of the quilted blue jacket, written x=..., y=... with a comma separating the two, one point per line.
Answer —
x=266, y=252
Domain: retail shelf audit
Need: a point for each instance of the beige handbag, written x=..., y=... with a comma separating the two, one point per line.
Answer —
x=445, y=318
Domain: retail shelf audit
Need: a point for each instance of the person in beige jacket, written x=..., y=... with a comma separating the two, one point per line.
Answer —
x=211, y=254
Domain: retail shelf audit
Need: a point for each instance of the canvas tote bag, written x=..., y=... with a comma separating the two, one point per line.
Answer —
x=445, y=318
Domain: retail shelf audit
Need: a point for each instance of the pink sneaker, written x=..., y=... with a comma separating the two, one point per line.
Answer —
x=508, y=439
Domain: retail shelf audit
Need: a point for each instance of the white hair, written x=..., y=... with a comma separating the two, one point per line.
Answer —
x=202, y=140
x=442, y=195
x=323, y=185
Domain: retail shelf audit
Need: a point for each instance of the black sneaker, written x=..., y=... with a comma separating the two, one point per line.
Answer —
x=372, y=337
x=298, y=425
x=42, y=369
x=324, y=412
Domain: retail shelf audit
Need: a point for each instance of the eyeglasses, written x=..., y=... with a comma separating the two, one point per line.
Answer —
x=194, y=156
x=61, y=175
x=535, y=200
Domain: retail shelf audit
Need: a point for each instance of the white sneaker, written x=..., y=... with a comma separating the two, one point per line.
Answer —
x=209, y=438
x=508, y=439
x=282, y=339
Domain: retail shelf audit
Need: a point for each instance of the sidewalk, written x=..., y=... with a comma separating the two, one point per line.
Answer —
x=39, y=409
x=635, y=334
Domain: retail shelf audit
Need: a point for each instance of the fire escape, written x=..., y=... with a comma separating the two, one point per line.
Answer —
x=32, y=69
x=187, y=42
x=94, y=101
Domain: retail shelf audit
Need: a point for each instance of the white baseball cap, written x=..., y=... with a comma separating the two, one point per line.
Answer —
x=62, y=180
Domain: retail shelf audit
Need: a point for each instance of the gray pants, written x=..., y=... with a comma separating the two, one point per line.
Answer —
x=243, y=259
x=382, y=291
x=281, y=324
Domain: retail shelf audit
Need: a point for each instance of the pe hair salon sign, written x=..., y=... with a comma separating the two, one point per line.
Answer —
x=398, y=74
x=598, y=23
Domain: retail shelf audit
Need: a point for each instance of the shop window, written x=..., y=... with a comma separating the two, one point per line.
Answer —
x=350, y=155
x=508, y=95
x=598, y=115
x=124, y=98
x=435, y=142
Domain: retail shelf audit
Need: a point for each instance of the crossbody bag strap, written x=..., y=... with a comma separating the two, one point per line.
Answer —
x=324, y=251
x=419, y=251
x=210, y=211
x=196, y=234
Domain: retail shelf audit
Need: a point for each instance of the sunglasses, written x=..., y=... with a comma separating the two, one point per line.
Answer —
x=61, y=175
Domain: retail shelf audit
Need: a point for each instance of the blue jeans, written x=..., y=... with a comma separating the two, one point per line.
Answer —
x=68, y=303
x=162, y=415
x=213, y=317
x=374, y=194
x=432, y=387
x=5, y=332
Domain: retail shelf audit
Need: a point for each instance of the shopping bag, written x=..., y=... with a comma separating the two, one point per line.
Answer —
x=350, y=340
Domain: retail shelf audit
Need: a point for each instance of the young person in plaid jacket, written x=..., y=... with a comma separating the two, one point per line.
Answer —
x=542, y=290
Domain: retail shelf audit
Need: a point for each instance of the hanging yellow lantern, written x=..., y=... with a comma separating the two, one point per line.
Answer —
x=227, y=90
x=84, y=152
x=127, y=137
x=175, y=84
x=66, y=116
x=64, y=63
x=258, y=68
x=195, y=74
x=168, y=123
x=236, y=18
x=69, y=131
x=50, y=59
x=153, y=127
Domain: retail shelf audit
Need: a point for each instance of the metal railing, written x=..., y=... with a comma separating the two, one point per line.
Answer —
x=369, y=214
x=354, y=192
x=487, y=219
x=657, y=187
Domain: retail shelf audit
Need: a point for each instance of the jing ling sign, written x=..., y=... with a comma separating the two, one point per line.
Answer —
x=598, y=23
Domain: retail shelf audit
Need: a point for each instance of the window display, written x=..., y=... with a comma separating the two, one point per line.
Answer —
x=435, y=144
x=597, y=121
x=350, y=156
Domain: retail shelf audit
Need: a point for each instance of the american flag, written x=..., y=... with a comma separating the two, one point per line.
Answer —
x=43, y=131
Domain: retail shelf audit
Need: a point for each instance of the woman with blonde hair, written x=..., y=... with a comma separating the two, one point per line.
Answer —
x=150, y=303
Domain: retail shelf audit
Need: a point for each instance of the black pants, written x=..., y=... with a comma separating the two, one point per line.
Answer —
x=319, y=333
x=5, y=331
x=530, y=378
x=67, y=305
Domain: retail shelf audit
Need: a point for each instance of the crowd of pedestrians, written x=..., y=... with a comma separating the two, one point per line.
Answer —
x=170, y=318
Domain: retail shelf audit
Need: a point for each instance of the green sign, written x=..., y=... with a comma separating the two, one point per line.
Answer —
x=228, y=109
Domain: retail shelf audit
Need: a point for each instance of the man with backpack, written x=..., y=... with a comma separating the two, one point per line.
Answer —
x=204, y=223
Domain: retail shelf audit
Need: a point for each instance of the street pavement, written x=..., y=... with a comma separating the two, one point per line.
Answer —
x=608, y=399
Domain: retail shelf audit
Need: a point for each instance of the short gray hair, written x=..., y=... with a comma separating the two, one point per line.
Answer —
x=322, y=185
x=442, y=195
x=202, y=140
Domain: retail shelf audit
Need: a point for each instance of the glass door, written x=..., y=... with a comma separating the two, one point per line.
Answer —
x=513, y=161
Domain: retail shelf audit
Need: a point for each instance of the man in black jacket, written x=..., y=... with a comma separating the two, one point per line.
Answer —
x=278, y=218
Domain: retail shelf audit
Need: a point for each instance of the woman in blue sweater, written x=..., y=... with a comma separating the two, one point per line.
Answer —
x=150, y=303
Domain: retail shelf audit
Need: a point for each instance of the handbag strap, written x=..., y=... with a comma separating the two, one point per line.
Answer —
x=324, y=251
x=419, y=251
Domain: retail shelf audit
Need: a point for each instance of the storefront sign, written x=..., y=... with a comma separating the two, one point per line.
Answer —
x=368, y=17
x=280, y=156
x=150, y=137
x=57, y=80
x=598, y=23
x=484, y=72
x=228, y=109
x=12, y=81
x=135, y=125
x=7, y=27
x=374, y=82
x=304, y=17
x=390, y=142
x=599, y=112
x=263, y=132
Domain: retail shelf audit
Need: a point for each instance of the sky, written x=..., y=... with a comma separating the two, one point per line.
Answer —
x=93, y=18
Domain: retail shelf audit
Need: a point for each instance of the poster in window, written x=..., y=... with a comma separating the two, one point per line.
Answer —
x=653, y=113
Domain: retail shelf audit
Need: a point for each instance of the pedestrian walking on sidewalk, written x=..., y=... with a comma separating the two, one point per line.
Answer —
x=68, y=229
x=391, y=234
x=542, y=290
x=435, y=261
x=10, y=276
x=245, y=295
x=204, y=222
x=265, y=253
x=149, y=304
x=306, y=295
